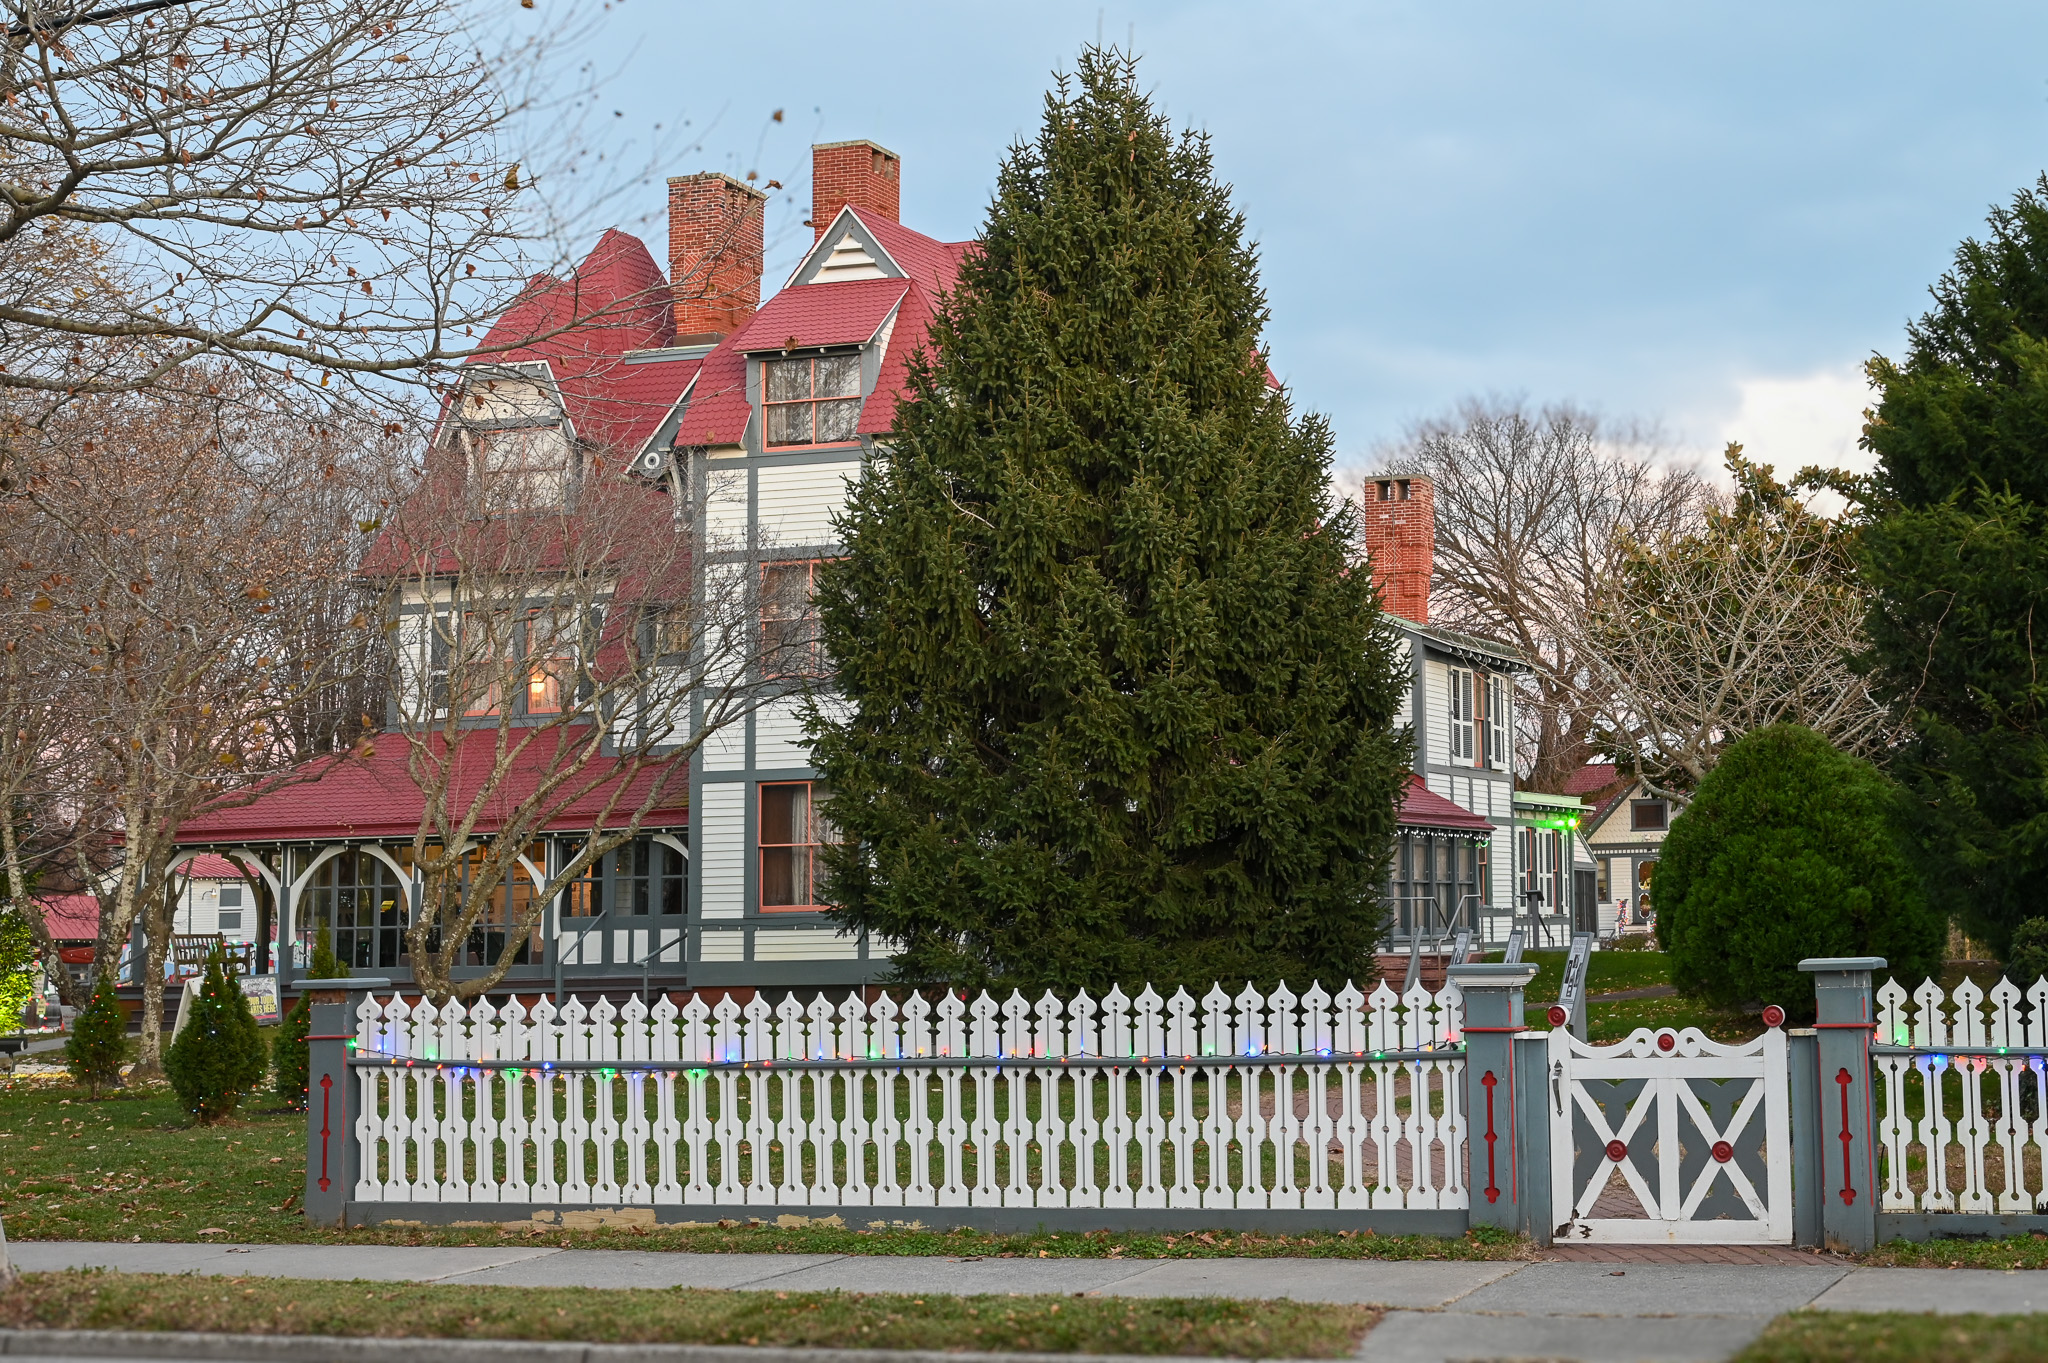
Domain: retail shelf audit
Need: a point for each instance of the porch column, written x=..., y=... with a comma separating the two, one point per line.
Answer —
x=1848, y=1154
x=1493, y=1014
x=332, y=1096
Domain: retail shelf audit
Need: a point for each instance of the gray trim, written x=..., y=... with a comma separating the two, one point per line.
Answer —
x=841, y=974
x=1403, y=1221
x=1921, y=1226
x=812, y=454
x=807, y=269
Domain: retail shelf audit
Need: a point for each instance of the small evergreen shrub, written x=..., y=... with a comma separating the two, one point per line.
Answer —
x=1790, y=849
x=219, y=1056
x=99, y=1039
x=292, y=1055
x=2027, y=959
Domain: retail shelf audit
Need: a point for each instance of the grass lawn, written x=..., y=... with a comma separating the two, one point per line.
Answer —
x=1891, y=1337
x=1050, y=1324
x=2019, y=1251
x=133, y=1167
x=1614, y=971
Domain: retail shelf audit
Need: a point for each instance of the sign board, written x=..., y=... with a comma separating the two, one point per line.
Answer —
x=1461, y=946
x=260, y=990
x=1570, y=1010
x=1513, y=954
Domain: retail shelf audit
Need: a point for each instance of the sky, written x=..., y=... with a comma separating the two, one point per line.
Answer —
x=1705, y=217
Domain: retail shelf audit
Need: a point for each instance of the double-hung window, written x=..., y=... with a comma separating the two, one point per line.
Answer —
x=1497, y=689
x=230, y=917
x=811, y=400
x=794, y=828
x=1462, y=715
x=789, y=620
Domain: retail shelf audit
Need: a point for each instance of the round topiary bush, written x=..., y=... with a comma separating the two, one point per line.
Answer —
x=1789, y=850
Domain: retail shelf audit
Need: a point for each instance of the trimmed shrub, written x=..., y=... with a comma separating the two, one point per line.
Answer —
x=99, y=1039
x=291, y=1054
x=219, y=1056
x=1790, y=849
x=2027, y=959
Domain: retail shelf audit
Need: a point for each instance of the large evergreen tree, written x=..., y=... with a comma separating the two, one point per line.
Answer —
x=1119, y=709
x=1956, y=557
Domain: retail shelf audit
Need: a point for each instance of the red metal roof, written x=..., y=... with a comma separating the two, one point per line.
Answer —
x=209, y=866
x=848, y=313
x=913, y=325
x=373, y=797
x=71, y=917
x=718, y=409
x=1591, y=777
x=934, y=264
x=1422, y=807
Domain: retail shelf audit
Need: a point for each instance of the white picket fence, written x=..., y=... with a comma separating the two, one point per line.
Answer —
x=1248, y=1101
x=1963, y=1119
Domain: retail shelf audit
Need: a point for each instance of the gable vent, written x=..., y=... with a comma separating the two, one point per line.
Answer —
x=849, y=260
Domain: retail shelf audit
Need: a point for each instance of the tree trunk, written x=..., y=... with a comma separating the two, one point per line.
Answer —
x=157, y=921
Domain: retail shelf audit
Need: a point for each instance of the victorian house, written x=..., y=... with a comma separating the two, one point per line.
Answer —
x=630, y=389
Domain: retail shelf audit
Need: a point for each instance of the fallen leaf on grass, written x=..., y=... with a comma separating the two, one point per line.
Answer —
x=213, y=1230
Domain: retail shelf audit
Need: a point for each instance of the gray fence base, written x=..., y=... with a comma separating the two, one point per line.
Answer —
x=1958, y=1225
x=1450, y=1222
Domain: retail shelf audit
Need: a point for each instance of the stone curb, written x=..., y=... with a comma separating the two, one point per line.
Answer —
x=230, y=1348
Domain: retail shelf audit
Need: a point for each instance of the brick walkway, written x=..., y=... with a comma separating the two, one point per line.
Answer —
x=1684, y=1254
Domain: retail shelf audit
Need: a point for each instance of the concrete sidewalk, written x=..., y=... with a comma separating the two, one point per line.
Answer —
x=1439, y=1309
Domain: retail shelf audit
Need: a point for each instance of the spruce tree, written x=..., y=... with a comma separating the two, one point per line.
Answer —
x=1955, y=554
x=219, y=1056
x=99, y=1039
x=1117, y=706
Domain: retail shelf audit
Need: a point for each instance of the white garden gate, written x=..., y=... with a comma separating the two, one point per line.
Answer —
x=1670, y=1138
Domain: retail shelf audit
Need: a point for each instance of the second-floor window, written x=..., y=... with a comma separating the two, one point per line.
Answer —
x=1496, y=742
x=789, y=620
x=1649, y=816
x=814, y=400
x=1478, y=718
x=523, y=660
x=1464, y=724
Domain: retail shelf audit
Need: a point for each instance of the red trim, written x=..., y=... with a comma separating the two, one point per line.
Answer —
x=1487, y=1081
x=326, y=1094
x=1847, y=1080
x=338, y=1036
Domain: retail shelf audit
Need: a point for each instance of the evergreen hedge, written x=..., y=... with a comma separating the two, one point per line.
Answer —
x=1790, y=849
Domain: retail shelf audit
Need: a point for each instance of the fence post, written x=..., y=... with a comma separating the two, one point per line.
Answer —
x=1802, y=1069
x=1848, y=1154
x=1493, y=1014
x=331, y=1155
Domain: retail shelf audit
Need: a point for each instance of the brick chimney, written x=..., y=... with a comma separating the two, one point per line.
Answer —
x=868, y=176
x=1399, y=522
x=714, y=254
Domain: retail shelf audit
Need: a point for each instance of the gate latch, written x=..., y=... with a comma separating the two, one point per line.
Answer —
x=1557, y=1085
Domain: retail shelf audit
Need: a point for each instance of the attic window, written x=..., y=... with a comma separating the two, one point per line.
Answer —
x=812, y=400
x=525, y=468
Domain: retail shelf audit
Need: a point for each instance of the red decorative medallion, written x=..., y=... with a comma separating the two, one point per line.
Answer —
x=1723, y=1151
x=1558, y=1016
x=1616, y=1151
x=1774, y=1016
x=1492, y=1188
x=1667, y=1041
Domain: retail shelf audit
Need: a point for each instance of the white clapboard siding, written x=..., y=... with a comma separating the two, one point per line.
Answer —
x=722, y=819
x=796, y=502
x=725, y=508
x=724, y=944
x=779, y=739
x=805, y=944
x=843, y=1103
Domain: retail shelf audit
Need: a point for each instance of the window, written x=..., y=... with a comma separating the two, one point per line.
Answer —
x=1605, y=890
x=793, y=826
x=550, y=659
x=641, y=878
x=1499, y=690
x=528, y=658
x=525, y=468
x=1649, y=816
x=1461, y=714
x=813, y=400
x=230, y=919
x=789, y=620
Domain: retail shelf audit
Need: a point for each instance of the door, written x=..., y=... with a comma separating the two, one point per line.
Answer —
x=1670, y=1138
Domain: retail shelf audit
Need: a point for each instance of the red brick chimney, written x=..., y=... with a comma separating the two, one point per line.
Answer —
x=1399, y=519
x=714, y=254
x=868, y=176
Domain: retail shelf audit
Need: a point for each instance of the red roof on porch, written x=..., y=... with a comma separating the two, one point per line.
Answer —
x=373, y=797
x=1422, y=807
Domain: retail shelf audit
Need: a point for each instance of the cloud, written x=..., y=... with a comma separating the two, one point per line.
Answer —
x=1789, y=423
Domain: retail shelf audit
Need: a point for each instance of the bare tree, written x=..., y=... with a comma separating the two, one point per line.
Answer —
x=1535, y=511
x=1751, y=620
x=561, y=652
x=174, y=524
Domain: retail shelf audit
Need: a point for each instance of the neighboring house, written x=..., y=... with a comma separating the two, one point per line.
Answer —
x=1626, y=837
x=73, y=921
x=216, y=901
x=749, y=420
x=1555, y=874
x=1460, y=708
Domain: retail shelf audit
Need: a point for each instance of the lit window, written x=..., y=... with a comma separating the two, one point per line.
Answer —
x=812, y=401
x=789, y=620
x=525, y=468
x=793, y=828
